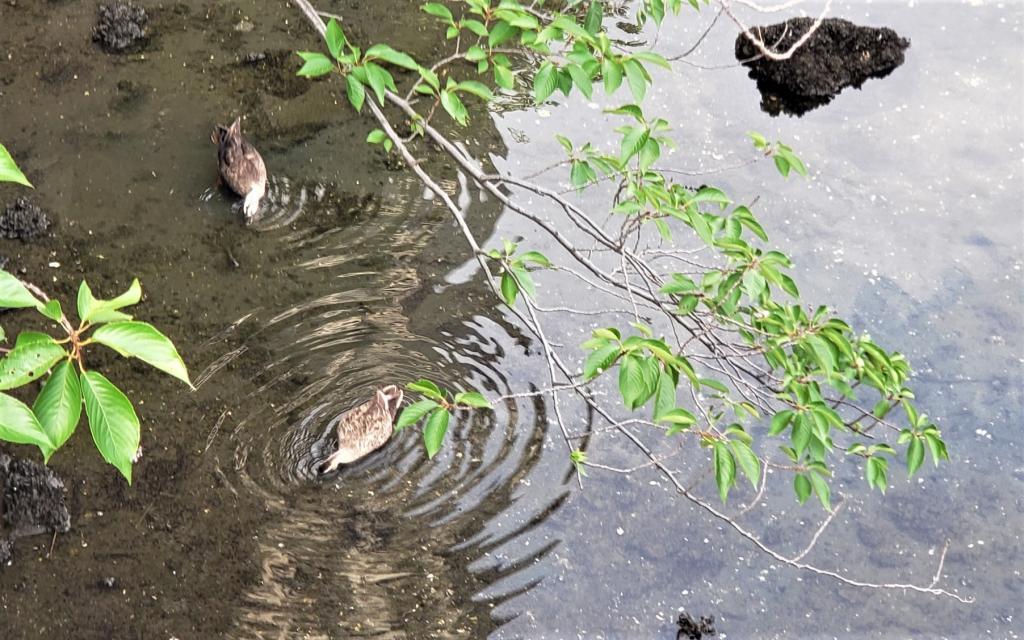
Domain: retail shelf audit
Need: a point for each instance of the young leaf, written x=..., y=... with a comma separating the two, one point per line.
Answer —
x=637, y=78
x=59, y=405
x=665, y=396
x=112, y=421
x=438, y=10
x=355, y=91
x=599, y=360
x=316, y=64
x=748, y=461
x=472, y=399
x=632, y=383
x=821, y=489
x=544, y=83
x=387, y=54
x=915, y=456
x=376, y=136
x=29, y=360
x=454, y=106
x=19, y=425
x=412, y=413
x=509, y=289
x=780, y=422
x=427, y=388
x=433, y=433
x=335, y=38
x=95, y=311
x=725, y=469
x=9, y=171
x=52, y=310
x=802, y=487
x=14, y=295
x=594, y=16
x=142, y=340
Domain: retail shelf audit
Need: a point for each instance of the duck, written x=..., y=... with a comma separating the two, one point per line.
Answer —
x=240, y=165
x=366, y=428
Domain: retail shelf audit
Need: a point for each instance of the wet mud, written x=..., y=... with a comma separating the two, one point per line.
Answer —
x=838, y=55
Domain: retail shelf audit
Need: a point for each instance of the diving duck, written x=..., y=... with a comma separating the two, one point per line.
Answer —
x=240, y=165
x=365, y=428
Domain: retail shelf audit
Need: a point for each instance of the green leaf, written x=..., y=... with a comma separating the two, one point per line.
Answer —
x=143, y=341
x=636, y=76
x=678, y=417
x=94, y=310
x=582, y=80
x=316, y=64
x=19, y=425
x=874, y=472
x=433, y=433
x=537, y=258
x=725, y=469
x=801, y=433
x=475, y=26
x=748, y=461
x=632, y=384
x=595, y=14
x=544, y=82
x=387, y=54
x=112, y=421
x=454, y=106
x=915, y=456
x=780, y=422
x=9, y=171
x=427, y=388
x=438, y=10
x=665, y=396
x=335, y=38
x=714, y=384
x=503, y=77
x=821, y=489
x=525, y=281
x=376, y=136
x=29, y=360
x=412, y=413
x=632, y=142
x=59, y=405
x=472, y=399
x=14, y=295
x=355, y=91
x=802, y=487
x=599, y=360
x=475, y=88
x=612, y=73
x=509, y=288
x=52, y=310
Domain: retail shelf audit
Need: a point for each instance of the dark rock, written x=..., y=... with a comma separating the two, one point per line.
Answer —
x=692, y=629
x=840, y=54
x=6, y=551
x=121, y=26
x=32, y=501
x=24, y=221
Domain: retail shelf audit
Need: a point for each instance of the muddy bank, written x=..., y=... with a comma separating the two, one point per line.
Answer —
x=838, y=55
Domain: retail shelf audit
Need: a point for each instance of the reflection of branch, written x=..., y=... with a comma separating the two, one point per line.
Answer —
x=617, y=266
x=760, y=44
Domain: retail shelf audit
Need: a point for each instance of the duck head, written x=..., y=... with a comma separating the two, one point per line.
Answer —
x=389, y=399
x=221, y=135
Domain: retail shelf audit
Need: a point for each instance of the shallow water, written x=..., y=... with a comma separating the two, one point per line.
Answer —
x=910, y=225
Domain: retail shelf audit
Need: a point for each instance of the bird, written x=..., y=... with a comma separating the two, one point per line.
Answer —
x=240, y=165
x=365, y=428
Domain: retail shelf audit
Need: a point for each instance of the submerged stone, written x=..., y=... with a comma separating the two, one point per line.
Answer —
x=24, y=221
x=120, y=26
x=839, y=54
x=692, y=629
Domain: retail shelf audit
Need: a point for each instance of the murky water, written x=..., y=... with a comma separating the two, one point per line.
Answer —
x=910, y=225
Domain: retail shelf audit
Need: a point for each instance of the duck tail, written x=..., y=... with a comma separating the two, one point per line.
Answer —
x=252, y=202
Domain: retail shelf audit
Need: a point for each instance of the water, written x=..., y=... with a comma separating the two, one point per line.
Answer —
x=910, y=225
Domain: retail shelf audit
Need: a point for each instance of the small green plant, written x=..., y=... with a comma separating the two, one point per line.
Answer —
x=55, y=414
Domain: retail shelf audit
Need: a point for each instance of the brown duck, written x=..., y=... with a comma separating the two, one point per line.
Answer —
x=366, y=428
x=241, y=166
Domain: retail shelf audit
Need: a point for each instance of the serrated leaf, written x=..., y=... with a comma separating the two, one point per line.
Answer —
x=821, y=489
x=29, y=360
x=544, y=82
x=335, y=38
x=115, y=427
x=438, y=10
x=636, y=77
x=355, y=91
x=509, y=289
x=412, y=413
x=95, y=311
x=802, y=487
x=387, y=54
x=59, y=404
x=665, y=396
x=747, y=460
x=472, y=399
x=14, y=295
x=454, y=106
x=612, y=74
x=19, y=425
x=725, y=469
x=427, y=388
x=143, y=341
x=780, y=422
x=433, y=433
x=316, y=64
x=599, y=360
x=915, y=456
